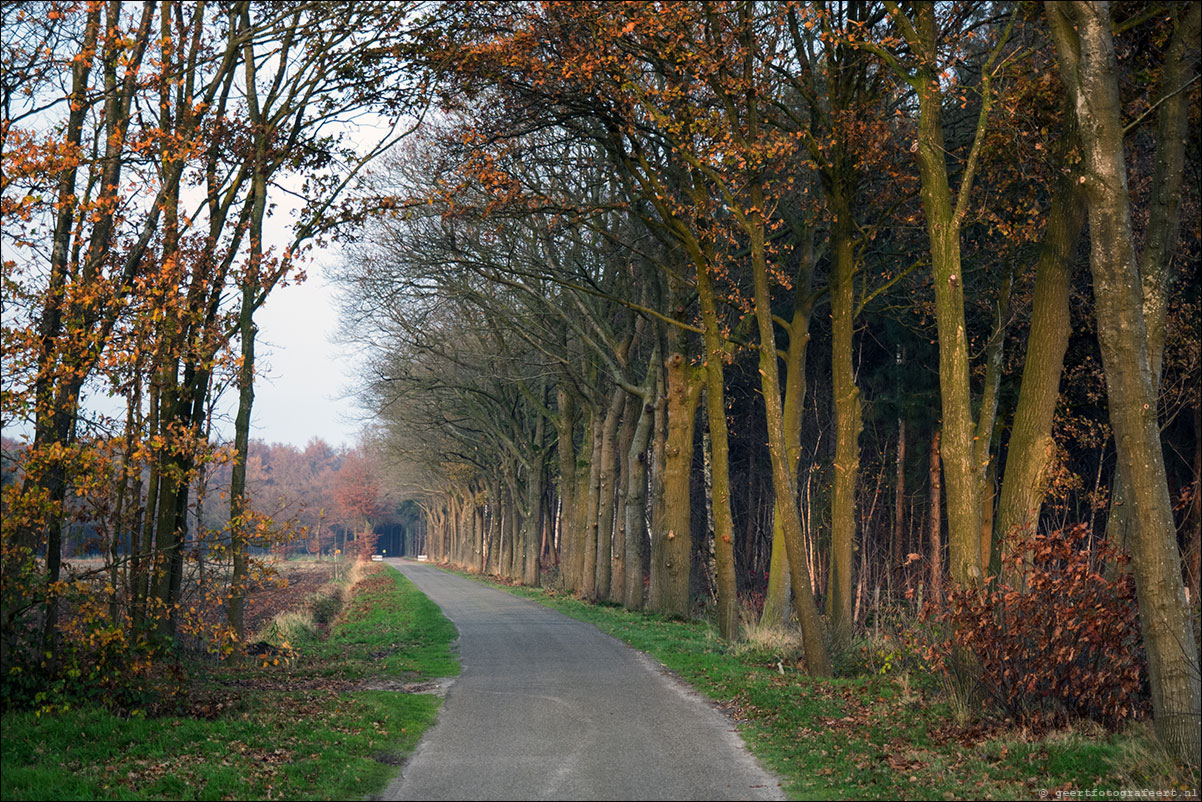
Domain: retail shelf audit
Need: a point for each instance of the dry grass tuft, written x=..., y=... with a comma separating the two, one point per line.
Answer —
x=288, y=628
x=1143, y=763
x=357, y=572
x=778, y=643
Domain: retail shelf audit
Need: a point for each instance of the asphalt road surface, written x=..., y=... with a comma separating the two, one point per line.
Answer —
x=548, y=707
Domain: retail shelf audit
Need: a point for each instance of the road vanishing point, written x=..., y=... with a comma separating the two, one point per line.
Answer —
x=547, y=707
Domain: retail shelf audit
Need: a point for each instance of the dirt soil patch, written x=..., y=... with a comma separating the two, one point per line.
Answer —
x=295, y=582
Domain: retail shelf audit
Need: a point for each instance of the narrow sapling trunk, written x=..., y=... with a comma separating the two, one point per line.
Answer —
x=899, y=500
x=238, y=503
x=1194, y=521
x=936, y=522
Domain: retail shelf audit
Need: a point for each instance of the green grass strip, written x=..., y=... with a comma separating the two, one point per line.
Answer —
x=301, y=731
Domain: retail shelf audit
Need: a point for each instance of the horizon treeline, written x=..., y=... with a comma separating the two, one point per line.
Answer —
x=331, y=498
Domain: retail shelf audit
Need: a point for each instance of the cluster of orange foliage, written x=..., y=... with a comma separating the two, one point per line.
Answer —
x=139, y=144
x=1058, y=641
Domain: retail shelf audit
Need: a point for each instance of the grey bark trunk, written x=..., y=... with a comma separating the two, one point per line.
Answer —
x=1089, y=69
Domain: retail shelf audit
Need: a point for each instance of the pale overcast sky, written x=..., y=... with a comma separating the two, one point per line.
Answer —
x=302, y=374
x=302, y=377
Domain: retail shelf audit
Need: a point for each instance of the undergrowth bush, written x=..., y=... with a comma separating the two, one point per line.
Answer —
x=1066, y=646
x=98, y=664
x=283, y=633
x=895, y=643
x=326, y=604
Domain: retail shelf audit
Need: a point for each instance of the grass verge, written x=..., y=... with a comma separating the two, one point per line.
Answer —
x=880, y=735
x=310, y=727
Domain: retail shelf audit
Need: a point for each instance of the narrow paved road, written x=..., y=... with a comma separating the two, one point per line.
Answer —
x=548, y=707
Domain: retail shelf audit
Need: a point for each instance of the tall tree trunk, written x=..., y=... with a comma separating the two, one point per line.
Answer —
x=1030, y=449
x=776, y=597
x=177, y=392
x=480, y=537
x=531, y=527
x=535, y=485
x=588, y=584
x=636, y=488
x=606, y=486
x=631, y=412
x=944, y=219
x=1164, y=215
x=496, y=527
x=512, y=529
x=684, y=393
x=636, y=509
x=784, y=483
x=566, y=450
x=247, y=331
x=659, y=447
x=715, y=402
x=964, y=509
x=584, y=472
x=1160, y=243
x=1088, y=67
x=54, y=412
x=848, y=422
x=464, y=529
